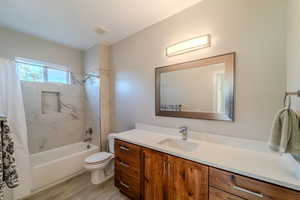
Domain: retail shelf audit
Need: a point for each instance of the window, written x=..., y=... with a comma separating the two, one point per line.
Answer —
x=39, y=72
x=28, y=72
x=58, y=76
x=219, y=92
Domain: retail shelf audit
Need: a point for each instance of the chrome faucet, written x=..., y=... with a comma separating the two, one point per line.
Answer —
x=184, y=131
x=87, y=139
x=88, y=135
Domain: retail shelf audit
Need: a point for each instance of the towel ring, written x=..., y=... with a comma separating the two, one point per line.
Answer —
x=290, y=100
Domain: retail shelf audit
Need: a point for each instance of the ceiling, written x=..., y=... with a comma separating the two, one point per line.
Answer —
x=73, y=22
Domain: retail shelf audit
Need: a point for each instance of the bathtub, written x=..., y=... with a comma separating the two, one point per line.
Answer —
x=57, y=165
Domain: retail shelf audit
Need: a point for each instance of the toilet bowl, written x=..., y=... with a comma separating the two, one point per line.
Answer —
x=101, y=164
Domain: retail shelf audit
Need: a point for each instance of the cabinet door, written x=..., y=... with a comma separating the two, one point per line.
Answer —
x=155, y=175
x=187, y=180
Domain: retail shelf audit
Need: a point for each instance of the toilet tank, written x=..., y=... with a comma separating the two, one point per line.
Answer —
x=111, y=142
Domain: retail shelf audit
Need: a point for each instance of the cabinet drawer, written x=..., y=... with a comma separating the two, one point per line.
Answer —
x=128, y=185
x=125, y=167
x=215, y=194
x=248, y=188
x=128, y=153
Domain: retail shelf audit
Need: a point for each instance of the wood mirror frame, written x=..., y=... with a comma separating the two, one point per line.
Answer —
x=229, y=60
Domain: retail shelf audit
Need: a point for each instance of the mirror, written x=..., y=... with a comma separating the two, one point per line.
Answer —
x=200, y=89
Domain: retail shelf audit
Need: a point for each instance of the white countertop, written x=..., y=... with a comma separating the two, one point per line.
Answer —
x=241, y=156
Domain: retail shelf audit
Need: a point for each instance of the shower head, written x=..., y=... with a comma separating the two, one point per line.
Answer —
x=85, y=79
x=89, y=76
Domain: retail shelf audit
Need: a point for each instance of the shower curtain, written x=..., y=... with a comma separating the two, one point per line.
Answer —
x=11, y=105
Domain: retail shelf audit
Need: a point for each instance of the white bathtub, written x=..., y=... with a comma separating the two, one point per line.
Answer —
x=56, y=165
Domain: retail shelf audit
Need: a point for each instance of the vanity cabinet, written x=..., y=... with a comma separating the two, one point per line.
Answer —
x=128, y=169
x=143, y=173
x=155, y=179
x=187, y=180
x=171, y=178
x=247, y=188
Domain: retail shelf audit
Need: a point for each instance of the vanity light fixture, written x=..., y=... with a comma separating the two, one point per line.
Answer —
x=192, y=44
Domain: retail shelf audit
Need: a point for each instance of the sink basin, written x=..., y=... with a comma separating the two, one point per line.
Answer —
x=293, y=163
x=182, y=145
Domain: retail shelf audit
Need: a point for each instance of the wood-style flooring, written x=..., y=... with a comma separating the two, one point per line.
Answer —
x=80, y=188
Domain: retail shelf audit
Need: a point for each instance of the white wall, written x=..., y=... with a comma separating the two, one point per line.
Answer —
x=254, y=29
x=293, y=50
x=16, y=44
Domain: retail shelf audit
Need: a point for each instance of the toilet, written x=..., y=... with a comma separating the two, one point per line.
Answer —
x=101, y=164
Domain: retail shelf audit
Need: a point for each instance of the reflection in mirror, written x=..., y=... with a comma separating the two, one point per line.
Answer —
x=201, y=89
x=194, y=90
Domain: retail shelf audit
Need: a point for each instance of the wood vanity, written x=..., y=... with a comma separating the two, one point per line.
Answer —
x=143, y=173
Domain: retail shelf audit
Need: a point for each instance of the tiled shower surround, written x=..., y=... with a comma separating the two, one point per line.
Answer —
x=66, y=125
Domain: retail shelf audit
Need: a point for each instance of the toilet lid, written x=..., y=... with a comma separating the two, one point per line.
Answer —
x=98, y=157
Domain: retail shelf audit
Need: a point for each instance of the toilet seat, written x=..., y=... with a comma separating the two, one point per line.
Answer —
x=101, y=164
x=98, y=158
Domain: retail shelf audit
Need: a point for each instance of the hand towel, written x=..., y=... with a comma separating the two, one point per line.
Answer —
x=285, y=134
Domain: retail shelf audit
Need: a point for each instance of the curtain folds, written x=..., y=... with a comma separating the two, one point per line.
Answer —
x=11, y=105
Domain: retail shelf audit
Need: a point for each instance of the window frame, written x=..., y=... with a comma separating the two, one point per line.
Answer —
x=45, y=66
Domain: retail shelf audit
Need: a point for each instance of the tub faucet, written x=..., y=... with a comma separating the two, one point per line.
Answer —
x=184, y=131
x=88, y=135
x=89, y=139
